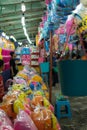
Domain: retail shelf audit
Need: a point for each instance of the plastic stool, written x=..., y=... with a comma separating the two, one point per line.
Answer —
x=63, y=113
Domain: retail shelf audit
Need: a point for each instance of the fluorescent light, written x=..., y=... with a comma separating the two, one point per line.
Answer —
x=20, y=43
x=7, y=37
x=3, y=8
x=25, y=31
x=24, y=28
x=23, y=7
x=13, y=38
x=3, y=34
x=23, y=21
x=29, y=40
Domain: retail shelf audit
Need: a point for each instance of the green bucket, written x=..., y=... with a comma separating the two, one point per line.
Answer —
x=73, y=77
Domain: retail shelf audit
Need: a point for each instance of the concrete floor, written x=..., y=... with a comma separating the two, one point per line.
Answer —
x=79, y=112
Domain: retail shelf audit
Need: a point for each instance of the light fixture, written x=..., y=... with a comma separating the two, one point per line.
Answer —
x=23, y=7
x=26, y=45
x=3, y=34
x=13, y=38
x=23, y=20
x=7, y=37
x=20, y=43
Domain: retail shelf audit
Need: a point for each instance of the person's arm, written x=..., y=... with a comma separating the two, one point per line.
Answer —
x=11, y=67
x=12, y=71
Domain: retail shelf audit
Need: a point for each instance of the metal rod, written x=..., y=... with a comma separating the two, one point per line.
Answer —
x=51, y=53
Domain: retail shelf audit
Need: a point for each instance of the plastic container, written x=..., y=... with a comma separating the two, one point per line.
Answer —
x=73, y=77
x=44, y=67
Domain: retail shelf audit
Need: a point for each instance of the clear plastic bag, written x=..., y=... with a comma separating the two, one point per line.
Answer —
x=8, y=108
x=42, y=102
x=5, y=123
x=44, y=119
x=24, y=122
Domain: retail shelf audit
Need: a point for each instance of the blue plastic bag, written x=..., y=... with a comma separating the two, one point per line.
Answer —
x=47, y=45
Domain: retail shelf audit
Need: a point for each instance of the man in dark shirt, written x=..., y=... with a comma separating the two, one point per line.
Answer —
x=13, y=66
x=55, y=74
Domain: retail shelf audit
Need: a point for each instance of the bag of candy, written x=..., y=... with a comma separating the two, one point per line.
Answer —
x=24, y=122
x=44, y=119
x=5, y=123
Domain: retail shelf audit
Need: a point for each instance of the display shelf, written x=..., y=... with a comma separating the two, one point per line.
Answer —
x=34, y=59
x=7, y=49
x=7, y=56
x=34, y=65
x=6, y=63
x=18, y=54
x=35, y=53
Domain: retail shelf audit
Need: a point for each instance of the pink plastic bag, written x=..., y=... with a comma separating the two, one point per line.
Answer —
x=6, y=127
x=5, y=123
x=4, y=118
x=60, y=30
x=48, y=2
x=70, y=47
x=24, y=122
x=41, y=25
x=70, y=27
x=40, y=60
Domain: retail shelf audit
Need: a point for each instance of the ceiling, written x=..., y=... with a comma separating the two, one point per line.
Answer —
x=10, y=17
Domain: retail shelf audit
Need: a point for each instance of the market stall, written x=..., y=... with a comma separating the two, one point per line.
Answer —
x=27, y=103
x=6, y=46
x=66, y=28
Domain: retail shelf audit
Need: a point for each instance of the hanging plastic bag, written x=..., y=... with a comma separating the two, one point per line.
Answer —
x=66, y=3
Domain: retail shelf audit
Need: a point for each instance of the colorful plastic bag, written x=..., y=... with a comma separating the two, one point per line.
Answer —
x=24, y=122
x=42, y=102
x=5, y=123
x=44, y=119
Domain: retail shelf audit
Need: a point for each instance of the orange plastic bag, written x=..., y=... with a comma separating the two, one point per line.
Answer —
x=44, y=119
x=40, y=101
x=8, y=108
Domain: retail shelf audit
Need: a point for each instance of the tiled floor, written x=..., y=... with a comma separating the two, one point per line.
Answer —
x=79, y=112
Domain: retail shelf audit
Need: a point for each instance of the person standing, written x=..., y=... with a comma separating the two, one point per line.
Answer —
x=54, y=72
x=13, y=65
x=2, y=92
